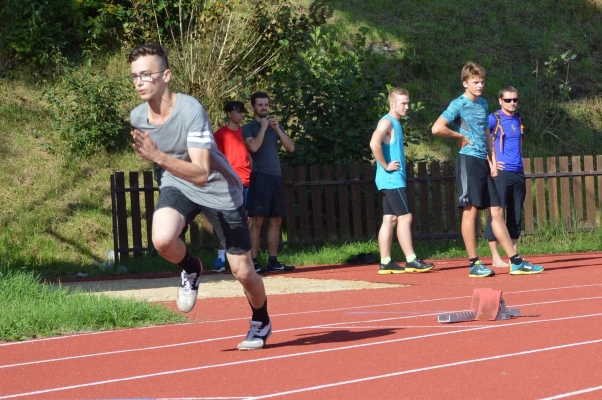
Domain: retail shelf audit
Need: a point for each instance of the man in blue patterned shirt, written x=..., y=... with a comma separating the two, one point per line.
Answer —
x=466, y=120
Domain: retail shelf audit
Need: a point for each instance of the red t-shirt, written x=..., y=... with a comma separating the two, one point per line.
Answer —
x=231, y=144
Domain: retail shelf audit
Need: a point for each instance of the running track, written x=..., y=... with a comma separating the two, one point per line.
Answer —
x=374, y=343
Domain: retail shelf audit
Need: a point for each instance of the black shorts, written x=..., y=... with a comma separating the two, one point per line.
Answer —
x=395, y=202
x=266, y=196
x=512, y=189
x=475, y=185
x=230, y=225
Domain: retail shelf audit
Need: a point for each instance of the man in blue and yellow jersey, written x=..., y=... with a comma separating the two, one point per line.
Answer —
x=387, y=146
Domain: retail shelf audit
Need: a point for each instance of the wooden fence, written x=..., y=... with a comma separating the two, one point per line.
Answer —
x=341, y=203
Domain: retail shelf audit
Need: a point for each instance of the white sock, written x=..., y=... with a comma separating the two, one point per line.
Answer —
x=221, y=254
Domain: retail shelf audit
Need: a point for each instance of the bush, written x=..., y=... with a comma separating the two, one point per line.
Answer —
x=330, y=99
x=89, y=111
x=36, y=31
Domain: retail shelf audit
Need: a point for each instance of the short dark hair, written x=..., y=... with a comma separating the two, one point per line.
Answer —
x=508, y=88
x=235, y=106
x=150, y=49
x=259, y=95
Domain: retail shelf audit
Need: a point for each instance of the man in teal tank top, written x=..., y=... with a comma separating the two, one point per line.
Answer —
x=387, y=147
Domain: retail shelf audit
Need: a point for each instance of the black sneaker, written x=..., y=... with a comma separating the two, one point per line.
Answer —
x=391, y=268
x=278, y=266
x=259, y=269
x=419, y=266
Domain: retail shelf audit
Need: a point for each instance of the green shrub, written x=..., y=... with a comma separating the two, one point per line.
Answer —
x=330, y=100
x=35, y=31
x=89, y=111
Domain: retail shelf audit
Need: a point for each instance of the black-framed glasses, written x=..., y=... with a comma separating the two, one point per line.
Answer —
x=514, y=100
x=145, y=76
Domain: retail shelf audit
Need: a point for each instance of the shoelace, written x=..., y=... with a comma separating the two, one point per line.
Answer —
x=254, y=330
x=187, y=282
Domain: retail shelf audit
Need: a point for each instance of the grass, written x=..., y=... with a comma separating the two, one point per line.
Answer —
x=32, y=309
x=548, y=240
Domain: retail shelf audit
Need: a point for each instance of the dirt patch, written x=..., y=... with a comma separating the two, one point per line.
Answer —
x=212, y=286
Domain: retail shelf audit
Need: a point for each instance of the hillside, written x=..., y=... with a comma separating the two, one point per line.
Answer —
x=56, y=210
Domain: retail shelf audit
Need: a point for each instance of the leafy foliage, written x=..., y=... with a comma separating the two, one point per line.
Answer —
x=330, y=98
x=89, y=114
x=37, y=31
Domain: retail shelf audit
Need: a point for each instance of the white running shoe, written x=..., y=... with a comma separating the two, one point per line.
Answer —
x=256, y=337
x=188, y=291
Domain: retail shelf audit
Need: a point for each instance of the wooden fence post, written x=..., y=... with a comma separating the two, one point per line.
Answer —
x=371, y=228
x=590, y=192
x=424, y=226
x=291, y=227
x=343, y=202
x=552, y=190
x=316, y=204
x=528, y=204
x=577, y=190
x=356, y=205
x=331, y=216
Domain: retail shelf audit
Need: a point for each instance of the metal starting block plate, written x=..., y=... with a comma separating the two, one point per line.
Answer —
x=457, y=317
x=487, y=305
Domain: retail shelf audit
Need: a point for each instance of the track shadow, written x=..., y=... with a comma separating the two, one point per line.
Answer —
x=334, y=336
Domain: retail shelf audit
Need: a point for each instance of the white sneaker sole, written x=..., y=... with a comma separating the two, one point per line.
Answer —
x=256, y=344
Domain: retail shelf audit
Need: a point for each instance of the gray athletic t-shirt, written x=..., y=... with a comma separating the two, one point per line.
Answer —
x=265, y=160
x=189, y=126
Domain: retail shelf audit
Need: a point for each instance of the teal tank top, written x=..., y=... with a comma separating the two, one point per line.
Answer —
x=392, y=151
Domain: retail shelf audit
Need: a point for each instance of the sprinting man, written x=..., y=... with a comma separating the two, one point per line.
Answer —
x=467, y=115
x=387, y=146
x=263, y=136
x=173, y=131
x=229, y=141
x=506, y=127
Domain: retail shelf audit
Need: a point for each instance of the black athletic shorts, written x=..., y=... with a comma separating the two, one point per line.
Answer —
x=230, y=225
x=475, y=185
x=395, y=202
x=512, y=189
x=266, y=196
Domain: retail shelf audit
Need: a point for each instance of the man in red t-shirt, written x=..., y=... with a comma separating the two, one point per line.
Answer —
x=229, y=141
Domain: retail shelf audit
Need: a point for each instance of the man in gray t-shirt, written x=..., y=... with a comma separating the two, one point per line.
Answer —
x=263, y=137
x=172, y=131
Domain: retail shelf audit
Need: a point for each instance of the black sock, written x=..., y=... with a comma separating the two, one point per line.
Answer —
x=261, y=314
x=515, y=259
x=273, y=260
x=473, y=260
x=190, y=264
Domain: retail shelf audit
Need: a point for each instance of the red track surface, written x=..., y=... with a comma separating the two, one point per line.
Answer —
x=374, y=343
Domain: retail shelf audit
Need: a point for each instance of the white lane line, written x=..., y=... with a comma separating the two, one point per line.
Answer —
x=335, y=325
x=291, y=355
x=575, y=393
x=433, y=367
x=77, y=335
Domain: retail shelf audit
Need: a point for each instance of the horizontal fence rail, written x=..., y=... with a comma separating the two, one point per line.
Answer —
x=341, y=203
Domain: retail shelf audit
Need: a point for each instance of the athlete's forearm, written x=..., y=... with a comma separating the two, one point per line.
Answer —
x=378, y=155
x=188, y=171
x=253, y=144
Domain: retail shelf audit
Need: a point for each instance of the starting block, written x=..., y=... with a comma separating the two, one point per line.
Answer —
x=487, y=305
